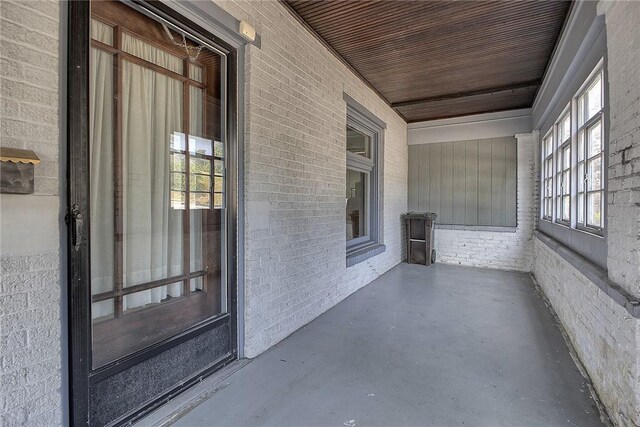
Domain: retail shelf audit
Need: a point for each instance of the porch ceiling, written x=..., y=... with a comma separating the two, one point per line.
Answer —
x=437, y=59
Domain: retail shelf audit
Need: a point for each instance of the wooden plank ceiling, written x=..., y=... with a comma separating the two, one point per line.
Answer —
x=437, y=59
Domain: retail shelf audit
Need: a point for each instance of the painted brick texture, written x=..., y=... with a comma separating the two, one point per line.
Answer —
x=623, y=240
x=295, y=178
x=30, y=323
x=603, y=333
x=497, y=249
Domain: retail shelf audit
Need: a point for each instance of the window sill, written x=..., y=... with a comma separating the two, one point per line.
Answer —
x=495, y=229
x=363, y=253
x=596, y=274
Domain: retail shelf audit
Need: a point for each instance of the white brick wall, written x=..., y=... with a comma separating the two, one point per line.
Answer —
x=498, y=249
x=623, y=46
x=603, y=333
x=30, y=324
x=295, y=177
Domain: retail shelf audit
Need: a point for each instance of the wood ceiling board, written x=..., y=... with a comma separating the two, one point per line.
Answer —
x=421, y=49
x=484, y=103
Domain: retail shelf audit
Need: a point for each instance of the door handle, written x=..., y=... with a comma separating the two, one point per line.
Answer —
x=76, y=223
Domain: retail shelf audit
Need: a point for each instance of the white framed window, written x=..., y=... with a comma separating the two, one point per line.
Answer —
x=563, y=168
x=590, y=193
x=574, y=146
x=547, y=176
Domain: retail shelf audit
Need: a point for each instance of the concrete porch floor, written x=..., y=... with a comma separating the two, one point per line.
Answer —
x=440, y=346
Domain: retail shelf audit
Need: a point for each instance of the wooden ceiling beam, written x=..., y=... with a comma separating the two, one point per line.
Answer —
x=527, y=85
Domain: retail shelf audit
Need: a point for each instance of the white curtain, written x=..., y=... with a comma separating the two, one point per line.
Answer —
x=152, y=111
x=153, y=231
x=101, y=175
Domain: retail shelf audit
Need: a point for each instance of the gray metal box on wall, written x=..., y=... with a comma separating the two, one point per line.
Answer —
x=420, y=237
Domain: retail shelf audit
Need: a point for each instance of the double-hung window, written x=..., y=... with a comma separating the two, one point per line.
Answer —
x=364, y=136
x=590, y=156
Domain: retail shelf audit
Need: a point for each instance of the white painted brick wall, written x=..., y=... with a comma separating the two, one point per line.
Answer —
x=497, y=249
x=623, y=48
x=295, y=177
x=603, y=333
x=30, y=323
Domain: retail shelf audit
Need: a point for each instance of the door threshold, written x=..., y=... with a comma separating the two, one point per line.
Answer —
x=178, y=407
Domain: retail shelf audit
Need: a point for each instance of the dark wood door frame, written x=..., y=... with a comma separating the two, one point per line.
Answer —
x=82, y=376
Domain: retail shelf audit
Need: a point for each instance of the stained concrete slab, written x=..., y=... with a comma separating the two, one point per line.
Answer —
x=438, y=346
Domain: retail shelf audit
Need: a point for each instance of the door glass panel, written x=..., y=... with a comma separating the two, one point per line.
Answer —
x=157, y=183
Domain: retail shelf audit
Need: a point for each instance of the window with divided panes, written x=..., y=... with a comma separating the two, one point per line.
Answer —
x=581, y=126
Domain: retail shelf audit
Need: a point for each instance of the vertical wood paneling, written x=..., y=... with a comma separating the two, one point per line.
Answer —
x=511, y=154
x=414, y=178
x=498, y=187
x=471, y=182
x=458, y=189
x=435, y=178
x=424, y=179
x=484, y=182
x=465, y=182
x=446, y=184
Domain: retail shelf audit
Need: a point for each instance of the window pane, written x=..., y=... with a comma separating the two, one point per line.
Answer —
x=581, y=208
x=564, y=130
x=197, y=284
x=142, y=299
x=566, y=156
x=218, y=184
x=200, y=183
x=218, y=200
x=101, y=32
x=177, y=162
x=178, y=181
x=594, y=209
x=548, y=143
x=218, y=167
x=218, y=149
x=201, y=166
x=566, y=187
x=595, y=141
x=581, y=119
x=594, y=99
x=141, y=49
x=358, y=143
x=200, y=201
x=177, y=199
x=196, y=73
x=581, y=146
x=581, y=177
x=566, y=202
x=594, y=179
x=356, y=201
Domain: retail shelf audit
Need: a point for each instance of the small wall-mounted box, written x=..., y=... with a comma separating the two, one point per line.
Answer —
x=16, y=170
